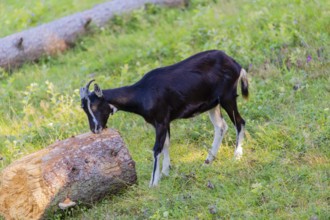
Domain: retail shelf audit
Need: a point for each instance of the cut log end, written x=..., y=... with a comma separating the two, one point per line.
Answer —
x=81, y=169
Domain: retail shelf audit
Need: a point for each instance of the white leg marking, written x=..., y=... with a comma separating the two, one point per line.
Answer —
x=166, y=160
x=220, y=128
x=155, y=176
x=239, y=142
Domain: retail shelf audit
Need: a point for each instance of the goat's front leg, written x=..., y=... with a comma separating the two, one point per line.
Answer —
x=161, y=131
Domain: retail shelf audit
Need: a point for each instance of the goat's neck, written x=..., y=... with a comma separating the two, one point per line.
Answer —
x=124, y=98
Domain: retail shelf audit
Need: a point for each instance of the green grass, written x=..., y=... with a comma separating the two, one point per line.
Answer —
x=18, y=15
x=284, y=173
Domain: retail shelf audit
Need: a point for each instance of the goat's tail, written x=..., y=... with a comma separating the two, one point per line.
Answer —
x=244, y=83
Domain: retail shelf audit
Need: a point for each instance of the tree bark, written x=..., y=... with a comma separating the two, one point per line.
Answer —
x=59, y=35
x=80, y=169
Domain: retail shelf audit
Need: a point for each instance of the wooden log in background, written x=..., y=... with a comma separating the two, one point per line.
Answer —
x=59, y=35
x=80, y=169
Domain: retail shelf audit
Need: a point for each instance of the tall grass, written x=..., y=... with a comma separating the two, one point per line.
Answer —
x=285, y=169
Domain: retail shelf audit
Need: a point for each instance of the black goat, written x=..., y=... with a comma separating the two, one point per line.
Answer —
x=202, y=82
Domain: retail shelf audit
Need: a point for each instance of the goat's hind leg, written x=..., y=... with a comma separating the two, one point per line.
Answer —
x=166, y=160
x=231, y=109
x=239, y=141
x=220, y=128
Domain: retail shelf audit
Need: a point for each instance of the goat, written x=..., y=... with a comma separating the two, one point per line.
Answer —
x=203, y=82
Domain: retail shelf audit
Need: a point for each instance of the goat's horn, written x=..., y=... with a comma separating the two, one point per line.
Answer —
x=84, y=91
x=88, y=84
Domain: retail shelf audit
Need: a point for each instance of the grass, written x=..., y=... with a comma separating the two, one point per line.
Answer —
x=17, y=15
x=284, y=173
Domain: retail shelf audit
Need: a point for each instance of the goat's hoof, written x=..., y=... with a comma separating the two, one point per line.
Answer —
x=207, y=161
x=166, y=172
x=153, y=185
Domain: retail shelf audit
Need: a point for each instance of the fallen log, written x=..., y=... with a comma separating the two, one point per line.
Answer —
x=59, y=35
x=80, y=169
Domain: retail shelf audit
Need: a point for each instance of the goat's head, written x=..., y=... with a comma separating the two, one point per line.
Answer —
x=96, y=107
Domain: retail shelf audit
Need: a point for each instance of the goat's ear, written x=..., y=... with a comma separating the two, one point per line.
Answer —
x=98, y=91
x=83, y=93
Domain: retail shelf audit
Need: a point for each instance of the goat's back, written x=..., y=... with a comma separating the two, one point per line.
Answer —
x=191, y=86
x=212, y=64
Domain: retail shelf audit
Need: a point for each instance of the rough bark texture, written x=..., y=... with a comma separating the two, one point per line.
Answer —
x=80, y=169
x=59, y=35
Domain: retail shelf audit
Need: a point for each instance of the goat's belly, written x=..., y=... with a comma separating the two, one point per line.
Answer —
x=193, y=110
x=191, y=115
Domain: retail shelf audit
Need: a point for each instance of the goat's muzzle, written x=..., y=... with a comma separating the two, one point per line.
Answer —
x=97, y=130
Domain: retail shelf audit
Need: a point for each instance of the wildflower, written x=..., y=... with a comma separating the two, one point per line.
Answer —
x=309, y=59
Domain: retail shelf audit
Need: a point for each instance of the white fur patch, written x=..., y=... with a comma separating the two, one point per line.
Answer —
x=92, y=114
x=155, y=177
x=220, y=128
x=243, y=76
x=166, y=160
x=239, y=142
x=114, y=109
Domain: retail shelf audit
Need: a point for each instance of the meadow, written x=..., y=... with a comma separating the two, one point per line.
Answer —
x=284, y=45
